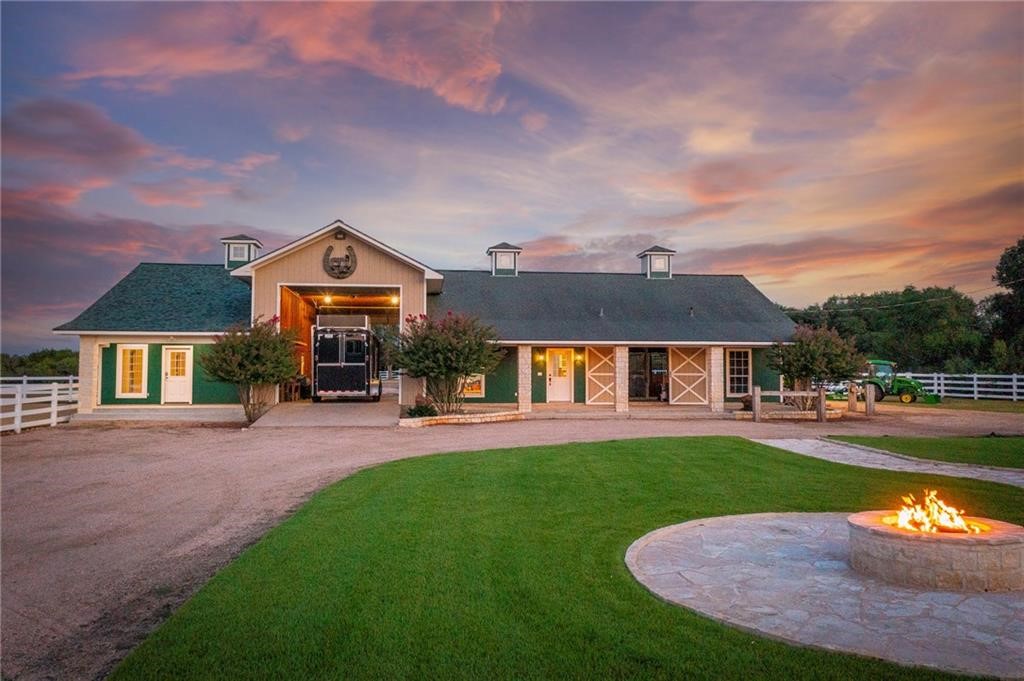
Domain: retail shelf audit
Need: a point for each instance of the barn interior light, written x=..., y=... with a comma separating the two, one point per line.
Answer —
x=394, y=300
x=327, y=299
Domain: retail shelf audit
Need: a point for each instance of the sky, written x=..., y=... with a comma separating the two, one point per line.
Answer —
x=818, y=149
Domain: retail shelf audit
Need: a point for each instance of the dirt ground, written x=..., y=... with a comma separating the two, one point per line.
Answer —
x=105, y=530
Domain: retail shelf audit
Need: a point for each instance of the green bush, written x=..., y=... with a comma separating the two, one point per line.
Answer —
x=421, y=410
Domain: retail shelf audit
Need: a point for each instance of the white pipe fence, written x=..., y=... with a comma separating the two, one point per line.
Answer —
x=973, y=386
x=29, y=401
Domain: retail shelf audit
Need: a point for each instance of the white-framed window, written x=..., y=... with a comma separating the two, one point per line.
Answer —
x=659, y=263
x=132, y=368
x=506, y=261
x=239, y=252
x=738, y=378
x=473, y=386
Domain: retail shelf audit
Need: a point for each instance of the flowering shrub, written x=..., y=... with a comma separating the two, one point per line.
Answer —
x=444, y=353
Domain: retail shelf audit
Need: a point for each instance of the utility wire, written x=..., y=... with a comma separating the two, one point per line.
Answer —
x=908, y=303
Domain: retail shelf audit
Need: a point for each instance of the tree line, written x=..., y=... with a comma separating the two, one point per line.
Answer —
x=936, y=328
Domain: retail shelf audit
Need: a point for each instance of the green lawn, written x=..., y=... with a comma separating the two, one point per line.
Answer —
x=508, y=564
x=987, y=451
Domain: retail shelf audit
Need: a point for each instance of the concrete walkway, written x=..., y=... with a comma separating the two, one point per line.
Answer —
x=866, y=457
x=787, y=576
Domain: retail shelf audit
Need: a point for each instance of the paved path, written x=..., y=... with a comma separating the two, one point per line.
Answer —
x=107, y=528
x=840, y=452
x=786, y=575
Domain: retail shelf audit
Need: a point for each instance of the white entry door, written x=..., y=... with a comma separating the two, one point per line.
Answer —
x=560, y=375
x=177, y=376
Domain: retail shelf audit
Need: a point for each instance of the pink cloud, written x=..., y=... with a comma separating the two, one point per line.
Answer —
x=247, y=164
x=292, y=132
x=444, y=48
x=727, y=180
x=534, y=121
x=70, y=132
x=190, y=192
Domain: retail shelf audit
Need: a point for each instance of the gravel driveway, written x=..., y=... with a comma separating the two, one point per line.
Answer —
x=106, y=529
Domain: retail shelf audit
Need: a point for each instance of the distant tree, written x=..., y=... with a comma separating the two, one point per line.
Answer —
x=255, y=359
x=48, y=362
x=1003, y=313
x=928, y=329
x=816, y=357
x=444, y=353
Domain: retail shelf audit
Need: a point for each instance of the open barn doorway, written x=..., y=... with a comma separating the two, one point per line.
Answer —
x=299, y=306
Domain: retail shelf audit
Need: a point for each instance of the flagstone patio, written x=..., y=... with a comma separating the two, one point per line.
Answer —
x=787, y=576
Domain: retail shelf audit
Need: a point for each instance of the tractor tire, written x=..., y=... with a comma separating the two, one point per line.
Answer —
x=907, y=397
x=879, y=393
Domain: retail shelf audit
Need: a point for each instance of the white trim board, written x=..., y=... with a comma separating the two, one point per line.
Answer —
x=641, y=344
x=168, y=334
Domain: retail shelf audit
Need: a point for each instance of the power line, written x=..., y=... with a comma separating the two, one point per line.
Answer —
x=908, y=303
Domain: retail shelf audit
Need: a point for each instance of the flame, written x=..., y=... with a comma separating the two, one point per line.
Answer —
x=933, y=516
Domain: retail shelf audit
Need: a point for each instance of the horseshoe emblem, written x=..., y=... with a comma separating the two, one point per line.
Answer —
x=341, y=267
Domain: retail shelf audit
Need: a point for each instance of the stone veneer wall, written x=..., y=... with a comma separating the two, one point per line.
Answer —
x=621, y=378
x=525, y=377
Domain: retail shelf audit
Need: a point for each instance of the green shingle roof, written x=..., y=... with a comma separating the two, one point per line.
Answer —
x=163, y=297
x=591, y=306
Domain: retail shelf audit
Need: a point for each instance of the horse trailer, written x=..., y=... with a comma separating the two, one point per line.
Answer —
x=346, y=358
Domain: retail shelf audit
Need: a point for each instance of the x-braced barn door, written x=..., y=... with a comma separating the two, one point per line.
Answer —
x=688, y=375
x=600, y=375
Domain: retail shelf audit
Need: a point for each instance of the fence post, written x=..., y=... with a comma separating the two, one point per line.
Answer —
x=821, y=404
x=19, y=391
x=54, y=388
x=869, y=400
x=974, y=380
x=755, y=404
x=1014, y=387
x=24, y=380
x=851, y=398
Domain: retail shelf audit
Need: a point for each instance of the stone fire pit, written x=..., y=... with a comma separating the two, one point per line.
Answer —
x=991, y=560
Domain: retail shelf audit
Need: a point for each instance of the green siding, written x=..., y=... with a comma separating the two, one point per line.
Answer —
x=501, y=385
x=761, y=373
x=504, y=273
x=204, y=390
x=660, y=275
x=539, y=393
x=579, y=368
x=232, y=264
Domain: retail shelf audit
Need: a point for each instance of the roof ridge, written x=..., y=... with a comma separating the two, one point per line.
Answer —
x=626, y=274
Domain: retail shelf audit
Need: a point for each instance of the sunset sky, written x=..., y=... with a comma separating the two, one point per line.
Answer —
x=816, y=148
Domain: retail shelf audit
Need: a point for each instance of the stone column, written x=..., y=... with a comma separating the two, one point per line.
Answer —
x=621, y=378
x=88, y=373
x=525, y=374
x=716, y=378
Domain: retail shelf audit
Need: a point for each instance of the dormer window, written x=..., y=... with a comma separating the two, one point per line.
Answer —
x=504, y=259
x=239, y=250
x=656, y=262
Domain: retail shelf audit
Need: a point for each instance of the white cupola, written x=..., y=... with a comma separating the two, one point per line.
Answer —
x=240, y=249
x=504, y=259
x=656, y=262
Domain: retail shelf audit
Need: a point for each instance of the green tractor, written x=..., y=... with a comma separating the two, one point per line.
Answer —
x=881, y=375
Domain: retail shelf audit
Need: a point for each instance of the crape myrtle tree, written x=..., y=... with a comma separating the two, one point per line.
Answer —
x=817, y=356
x=255, y=359
x=444, y=353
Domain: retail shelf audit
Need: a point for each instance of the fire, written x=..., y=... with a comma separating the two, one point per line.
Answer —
x=933, y=516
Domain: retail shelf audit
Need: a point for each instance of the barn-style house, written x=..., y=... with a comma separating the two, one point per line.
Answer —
x=591, y=338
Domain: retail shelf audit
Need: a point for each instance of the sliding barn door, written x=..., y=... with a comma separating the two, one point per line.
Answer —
x=688, y=375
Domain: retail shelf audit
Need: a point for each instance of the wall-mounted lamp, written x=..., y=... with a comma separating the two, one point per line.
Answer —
x=579, y=357
x=539, y=357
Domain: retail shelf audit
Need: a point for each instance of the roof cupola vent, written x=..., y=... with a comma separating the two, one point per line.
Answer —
x=240, y=249
x=504, y=259
x=656, y=262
